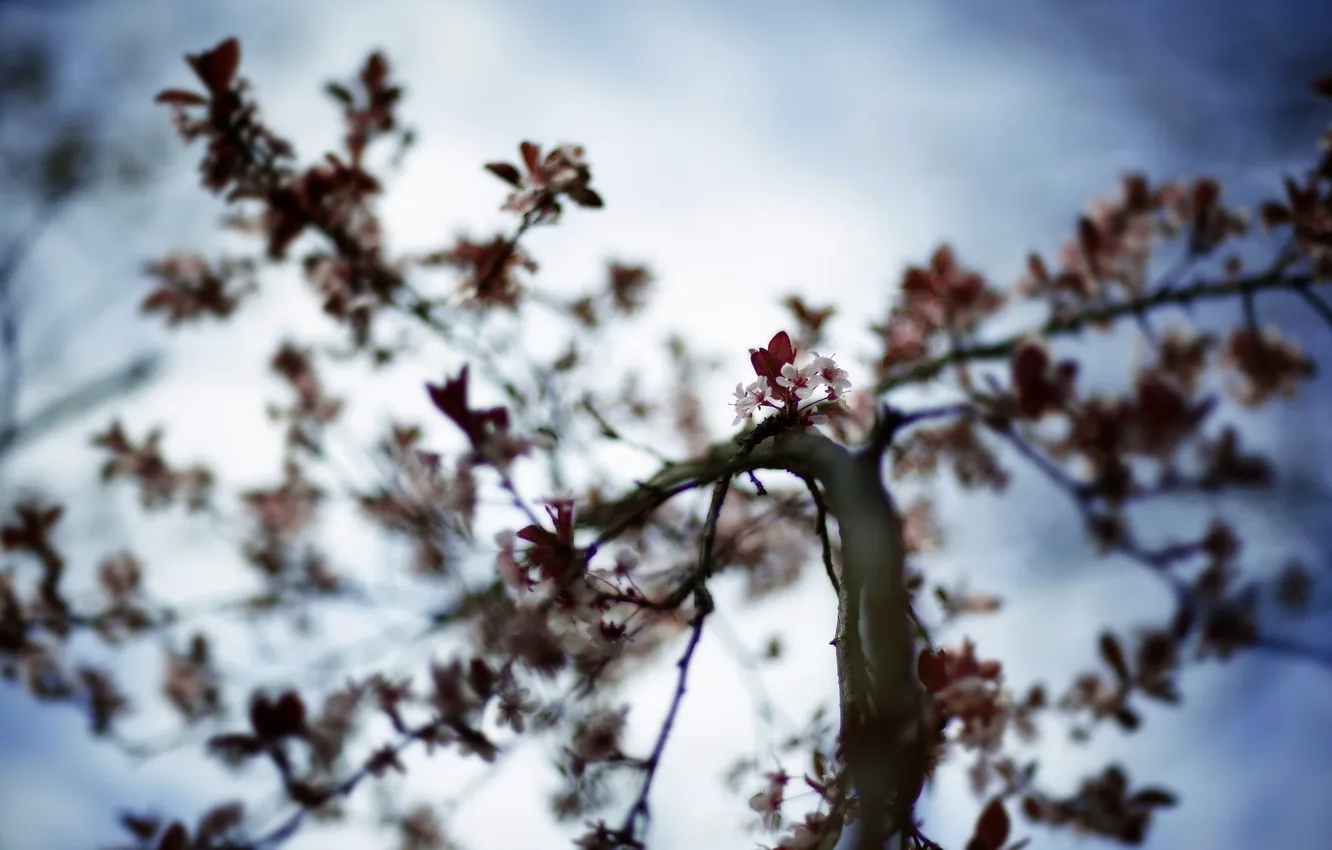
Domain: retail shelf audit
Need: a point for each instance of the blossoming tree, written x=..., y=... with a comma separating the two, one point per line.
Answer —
x=543, y=627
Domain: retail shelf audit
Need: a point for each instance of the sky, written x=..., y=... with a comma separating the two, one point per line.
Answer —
x=745, y=151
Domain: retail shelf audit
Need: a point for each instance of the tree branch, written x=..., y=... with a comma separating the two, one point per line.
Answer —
x=1270, y=280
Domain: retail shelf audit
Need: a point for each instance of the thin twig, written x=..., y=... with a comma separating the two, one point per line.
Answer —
x=821, y=525
x=1155, y=560
x=640, y=812
x=1318, y=304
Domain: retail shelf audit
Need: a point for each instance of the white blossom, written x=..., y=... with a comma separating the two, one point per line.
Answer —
x=832, y=375
x=747, y=399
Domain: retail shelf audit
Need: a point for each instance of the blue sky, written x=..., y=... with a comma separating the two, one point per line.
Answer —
x=745, y=150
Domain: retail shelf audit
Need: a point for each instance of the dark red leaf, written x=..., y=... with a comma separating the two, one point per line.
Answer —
x=780, y=347
x=142, y=827
x=585, y=197
x=219, y=820
x=1036, y=268
x=235, y=747
x=481, y=678
x=762, y=362
x=339, y=93
x=531, y=158
x=1114, y=656
x=1127, y=718
x=289, y=714
x=1089, y=238
x=506, y=172
x=1153, y=798
x=175, y=838
x=1137, y=193
x=1323, y=85
x=181, y=97
x=1205, y=194
x=1273, y=214
x=535, y=534
x=1030, y=362
x=217, y=67
x=1302, y=199
x=263, y=717
x=375, y=71
x=307, y=794
x=993, y=825
x=931, y=670
x=1032, y=808
x=451, y=397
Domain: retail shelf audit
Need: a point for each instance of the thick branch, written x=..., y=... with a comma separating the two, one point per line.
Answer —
x=878, y=708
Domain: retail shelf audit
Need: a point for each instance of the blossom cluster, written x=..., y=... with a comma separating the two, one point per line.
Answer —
x=783, y=386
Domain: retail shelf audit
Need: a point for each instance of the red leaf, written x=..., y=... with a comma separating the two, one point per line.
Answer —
x=1302, y=198
x=1114, y=656
x=1152, y=798
x=219, y=820
x=505, y=172
x=263, y=718
x=175, y=838
x=375, y=71
x=451, y=397
x=780, y=347
x=942, y=261
x=289, y=714
x=993, y=825
x=142, y=827
x=180, y=97
x=1323, y=86
x=339, y=93
x=1205, y=194
x=1032, y=808
x=217, y=67
x=762, y=362
x=1029, y=364
x=1089, y=238
x=931, y=670
x=481, y=678
x=1036, y=268
x=531, y=158
x=535, y=534
x=1137, y=193
x=585, y=197
x=1273, y=214
x=1127, y=718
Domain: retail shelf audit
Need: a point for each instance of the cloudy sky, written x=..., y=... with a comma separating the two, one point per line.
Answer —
x=746, y=150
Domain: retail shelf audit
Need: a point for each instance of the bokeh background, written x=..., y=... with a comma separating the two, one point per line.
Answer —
x=746, y=151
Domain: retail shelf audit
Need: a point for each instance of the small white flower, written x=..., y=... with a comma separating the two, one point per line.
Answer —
x=803, y=381
x=747, y=399
x=831, y=375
